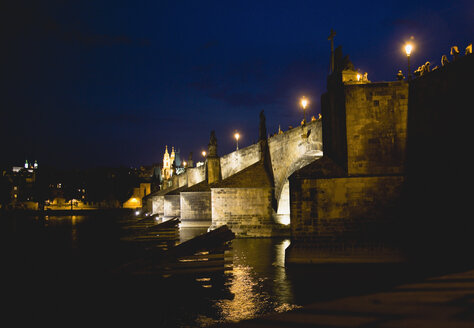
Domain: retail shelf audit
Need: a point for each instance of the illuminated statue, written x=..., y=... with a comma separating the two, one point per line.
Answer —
x=426, y=67
x=468, y=49
x=454, y=52
x=444, y=60
x=400, y=75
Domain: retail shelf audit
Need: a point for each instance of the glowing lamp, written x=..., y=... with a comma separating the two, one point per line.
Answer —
x=237, y=136
x=408, y=50
x=304, y=103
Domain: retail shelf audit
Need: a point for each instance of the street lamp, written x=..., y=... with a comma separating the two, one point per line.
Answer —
x=203, y=153
x=237, y=136
x=408, y=49
x=304, y=103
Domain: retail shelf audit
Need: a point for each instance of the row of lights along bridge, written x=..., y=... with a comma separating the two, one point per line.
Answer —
x=304, y=103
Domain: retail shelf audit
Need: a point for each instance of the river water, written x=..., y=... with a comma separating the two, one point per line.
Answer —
x=59, y=270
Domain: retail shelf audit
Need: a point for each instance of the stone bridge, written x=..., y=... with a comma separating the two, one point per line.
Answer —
x=289, y=151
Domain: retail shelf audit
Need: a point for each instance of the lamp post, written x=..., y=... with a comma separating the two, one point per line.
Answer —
x=237, y=136
x=408, y=49
x=304, y=103
x=203, y=153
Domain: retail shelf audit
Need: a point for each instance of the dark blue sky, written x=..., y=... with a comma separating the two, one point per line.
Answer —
x=88, y=83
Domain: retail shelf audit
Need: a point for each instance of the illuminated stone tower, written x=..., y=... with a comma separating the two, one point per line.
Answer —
x=166, y=170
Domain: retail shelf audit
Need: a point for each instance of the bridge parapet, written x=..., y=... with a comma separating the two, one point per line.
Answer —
x=240, y=159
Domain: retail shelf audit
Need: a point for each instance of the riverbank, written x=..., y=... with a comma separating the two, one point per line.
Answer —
x=62, y=212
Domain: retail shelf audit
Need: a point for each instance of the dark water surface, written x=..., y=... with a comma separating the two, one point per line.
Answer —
x=62, y=270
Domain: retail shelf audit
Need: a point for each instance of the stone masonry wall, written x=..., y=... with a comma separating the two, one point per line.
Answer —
x=158, y=205
x=196, y=206
x=376, y=123
x=172, y=205
x=329, y=209
x=213, y=169
x=247, y=211
x=195, y=175
x=239, y=160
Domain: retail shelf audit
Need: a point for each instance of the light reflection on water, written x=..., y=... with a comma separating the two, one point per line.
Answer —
x=257, y=282
x=245, y=303
x=65, y=222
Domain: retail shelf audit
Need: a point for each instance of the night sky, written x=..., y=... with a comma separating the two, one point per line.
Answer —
x=88, y=83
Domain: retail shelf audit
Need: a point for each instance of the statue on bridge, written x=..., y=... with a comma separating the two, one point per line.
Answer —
x=341, y=62
x=400, y=75
x=212, y=147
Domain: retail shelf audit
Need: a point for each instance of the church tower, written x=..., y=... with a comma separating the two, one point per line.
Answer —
x=166, y=170
x=172, y=156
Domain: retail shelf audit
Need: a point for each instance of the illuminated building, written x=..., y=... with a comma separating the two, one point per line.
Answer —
x=166, y=171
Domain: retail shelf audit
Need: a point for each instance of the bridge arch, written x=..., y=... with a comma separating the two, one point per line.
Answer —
x=289, y=152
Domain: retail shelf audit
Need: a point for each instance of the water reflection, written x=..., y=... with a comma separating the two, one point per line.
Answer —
x=245, y=303
x=74, y=232
x=258, y=283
